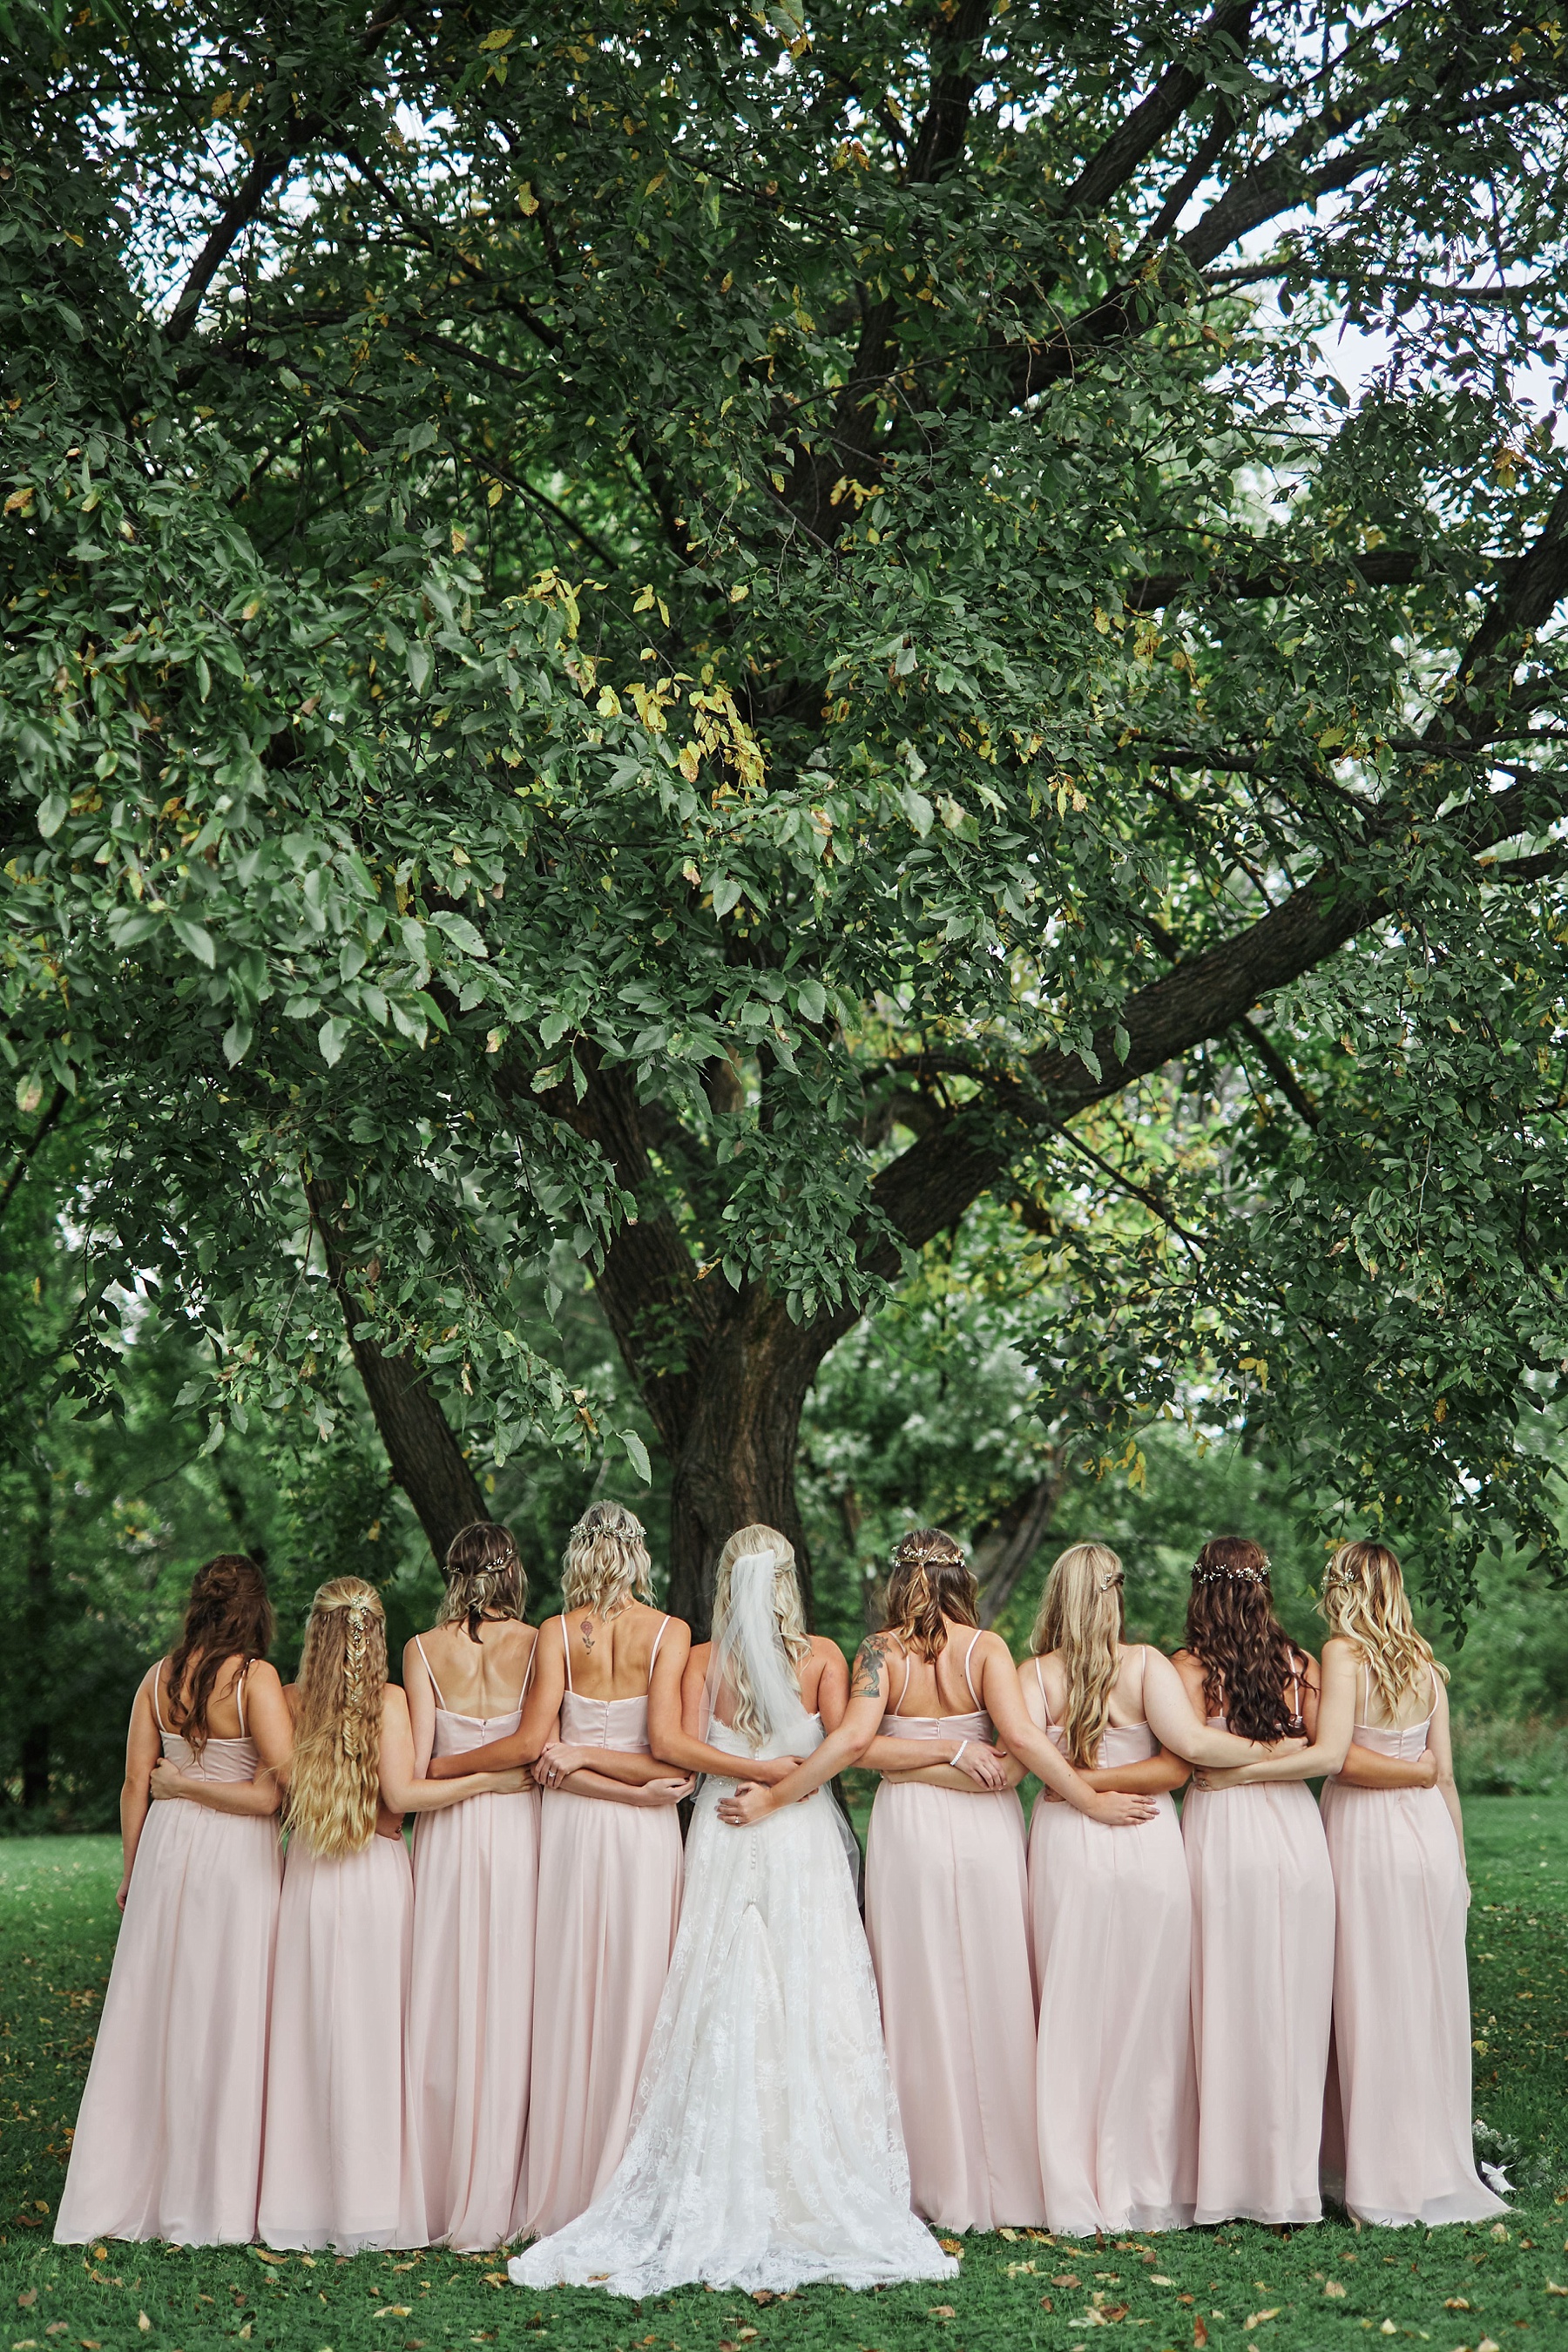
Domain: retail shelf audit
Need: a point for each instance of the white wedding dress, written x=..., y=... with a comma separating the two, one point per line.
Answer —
x=765, y=2148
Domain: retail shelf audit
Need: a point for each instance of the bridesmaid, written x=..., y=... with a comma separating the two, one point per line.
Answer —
x=1396, y=1841
x=946, y=1908
x=340, y=2168
x=168, y=2139
x=476, y=1873
x=609, y=1871
x=1263, y=1896
x=1111, y=1915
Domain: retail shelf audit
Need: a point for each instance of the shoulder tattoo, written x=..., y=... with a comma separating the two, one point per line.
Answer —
x=870, y=1658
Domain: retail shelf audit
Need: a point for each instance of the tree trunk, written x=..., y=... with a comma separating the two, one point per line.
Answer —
x=35, y=1739
x=735, y=1460
x=422, y=1448
x=1002, y=1552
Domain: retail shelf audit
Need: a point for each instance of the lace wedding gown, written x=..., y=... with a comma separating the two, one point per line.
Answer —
x=765, y=2148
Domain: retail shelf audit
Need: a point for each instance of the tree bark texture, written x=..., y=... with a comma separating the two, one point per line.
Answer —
x=37, y=1738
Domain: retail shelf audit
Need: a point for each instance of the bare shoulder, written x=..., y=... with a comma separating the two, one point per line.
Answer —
x=673, y=1633
x=826, y=1652
x=992, y=1645
x=698, y=1656
x=1191, y=1668
x=393, y=1702
x=263, y=1676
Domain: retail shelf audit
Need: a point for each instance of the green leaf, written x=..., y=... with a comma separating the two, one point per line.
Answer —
x=636, y=1455
x=236, y=1042
x=195, y=937
x=331, y=1037
x=52, y=814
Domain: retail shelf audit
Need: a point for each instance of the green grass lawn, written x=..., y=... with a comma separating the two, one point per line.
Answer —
x=1328, y=2286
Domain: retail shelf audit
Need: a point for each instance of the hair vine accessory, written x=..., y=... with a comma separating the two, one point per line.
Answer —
x=1217, y=1575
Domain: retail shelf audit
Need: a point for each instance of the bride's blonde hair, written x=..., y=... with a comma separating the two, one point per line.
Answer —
x=335, y=1781
x=607, y=1562
x=1080, y=1619
x=1363, y=1600
x=789, y=1616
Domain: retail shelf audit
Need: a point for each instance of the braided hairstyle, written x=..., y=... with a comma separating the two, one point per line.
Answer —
x=607, y=1562
x=227, y=1615
x=930, y=1581
x=484, y=1572
x=1246, y=1656
x=334, y=1784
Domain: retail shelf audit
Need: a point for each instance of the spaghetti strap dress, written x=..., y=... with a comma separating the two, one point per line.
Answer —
x=469, y=2033
x=1111, y=1912
x=339, y=2166
x=1263, y=1975
x=1399, y=2150
x=947, y=1921
x=609, y=1905
x=168, y=2138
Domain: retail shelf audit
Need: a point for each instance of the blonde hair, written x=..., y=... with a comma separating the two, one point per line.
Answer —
x=607, y=1562
x=1363, y=1600
x=930, y=1581
x=1081, y=1617
x=483, y=1571
x=334, y=1782
x=789, y=1616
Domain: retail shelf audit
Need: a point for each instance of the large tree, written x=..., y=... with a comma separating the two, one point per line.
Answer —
x=707, y=635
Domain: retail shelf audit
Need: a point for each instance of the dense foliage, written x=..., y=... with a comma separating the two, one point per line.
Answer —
x=706, y=638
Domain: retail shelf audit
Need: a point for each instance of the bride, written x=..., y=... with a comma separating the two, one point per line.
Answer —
x=765, y=2150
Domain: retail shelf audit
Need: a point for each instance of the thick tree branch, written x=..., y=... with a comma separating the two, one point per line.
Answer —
x=1141, y=132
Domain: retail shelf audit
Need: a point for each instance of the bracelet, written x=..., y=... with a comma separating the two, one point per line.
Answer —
x=962, y=1745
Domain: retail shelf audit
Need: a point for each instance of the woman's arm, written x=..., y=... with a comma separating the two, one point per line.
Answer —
x=1151, y=1776
x=651, y=1795
x=1440, y=1743
x=420, y=1693
x=950, y=1776
x=557, y=1763
x=1328, y=1708
x=983, y=1766
x=1367, y=1767
x=142, y=1749
x=1177, y=1726
x=271, y=1725
x=676, y=1703
x=403, y=1791
x=540, y=1710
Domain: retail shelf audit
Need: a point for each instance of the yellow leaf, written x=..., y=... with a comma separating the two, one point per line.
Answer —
x=689, y=762
x=142, y=2322
x=495, y=494
x=498, y=39
x=528, y=203
x=20, y=500
x=1259, y=2317
x=1333, y=2286
x=222, y=102
x=393, y=2311
x=739, y=595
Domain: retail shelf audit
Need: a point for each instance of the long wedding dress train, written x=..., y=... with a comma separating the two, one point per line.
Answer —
x=766, y=2149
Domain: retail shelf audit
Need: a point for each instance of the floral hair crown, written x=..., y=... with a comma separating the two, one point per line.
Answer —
x=1217, y=1575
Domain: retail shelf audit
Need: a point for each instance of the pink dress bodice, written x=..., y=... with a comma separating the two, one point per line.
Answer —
x=976, y=1725
x=1119, y=1743
x=1386, y=1738
x=219, y=1759
x=457, y=1734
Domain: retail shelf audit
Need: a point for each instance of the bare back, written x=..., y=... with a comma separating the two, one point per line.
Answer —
x=1126, y=1691
x=482, y=1677
x=611, y=1658
x=225, y=1716
x=1416, y=1706
x=949, y=1684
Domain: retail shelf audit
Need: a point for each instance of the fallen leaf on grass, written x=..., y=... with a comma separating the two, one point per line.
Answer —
x=56, y=2328
x=1388, y=2328
x=941, y=2310
x=497, y=2278
x=949, y=2245
x=1257, y=2317
x=89, y=2343
x=393, y=2311
x=1455, y=2303
x=1200, y=2332
x=1064, y=2278
x=1046, y=2302
x=1485, y=2344
x=1337, y=2286
x=24, y=2344
x=1156, y=2278
x=1552, y=2287
x=142, y=2322
x=28, y=2298
x=263, y=2256
x=1011, y=2236
x=744, y=2335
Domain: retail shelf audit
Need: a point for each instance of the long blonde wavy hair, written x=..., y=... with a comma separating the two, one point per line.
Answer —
x=1364, y=1599
x=1081, y=1617
x=607, y=1562
x=789, y=1616
x=334, y=1782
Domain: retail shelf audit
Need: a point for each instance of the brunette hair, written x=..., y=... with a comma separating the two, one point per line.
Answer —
x=930, y=1579
x=227, y=1615
x=1365, y=1601
x=1246, y=1656
x=607, y=1562
x=483, y=1570
x=334, y=1782
x=1080, y=1619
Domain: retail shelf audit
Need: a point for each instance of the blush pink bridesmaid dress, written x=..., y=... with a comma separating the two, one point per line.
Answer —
x=168, y=2139
x=470, y=1999
x=1112, y=1913
x=946, y=1918
x=1402, y=2003
x=1263, y=1979
x=609, y=1903
x=338, y=2166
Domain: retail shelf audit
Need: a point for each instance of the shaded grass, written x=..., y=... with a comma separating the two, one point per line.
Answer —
x=1224, y=2287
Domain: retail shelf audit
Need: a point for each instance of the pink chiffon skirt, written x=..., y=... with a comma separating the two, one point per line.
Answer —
x=947, y=1920
x=168, y=2139
x=1402, y=2152
x=470, y=2014
x=1263, y=1978
x=339, y=2166
x=1111, y=1914
x=609, y=1903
